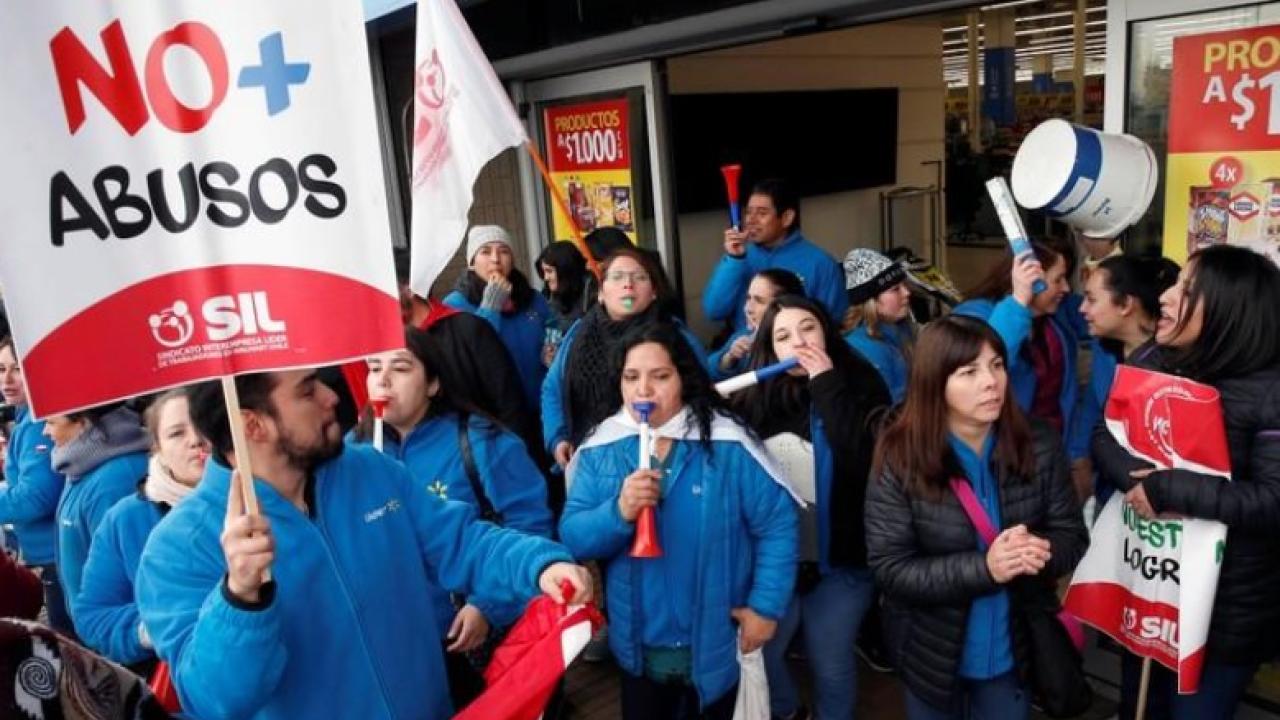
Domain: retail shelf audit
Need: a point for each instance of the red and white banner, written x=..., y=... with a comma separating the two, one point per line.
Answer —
x=1150, y=584
x=526, y=666
x=462, y=118
x=191, y=189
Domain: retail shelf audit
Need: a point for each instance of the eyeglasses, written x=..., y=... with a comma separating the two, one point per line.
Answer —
x=636, y=276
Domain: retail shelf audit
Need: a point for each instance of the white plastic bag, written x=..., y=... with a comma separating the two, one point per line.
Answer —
x=753, y=687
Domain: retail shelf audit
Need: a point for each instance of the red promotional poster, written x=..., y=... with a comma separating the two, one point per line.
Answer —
x=1222, y=180
x=589, y=155
x=210, y=196
x=1150, y=583
x=1225, y=92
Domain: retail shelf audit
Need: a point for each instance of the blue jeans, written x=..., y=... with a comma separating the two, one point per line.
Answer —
x=830, y=614
x=1221, y=688
x=1000, y=698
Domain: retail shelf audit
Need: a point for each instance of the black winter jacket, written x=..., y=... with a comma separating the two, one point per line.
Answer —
x=1245, y=627
x=929, y=569
x=850, y=404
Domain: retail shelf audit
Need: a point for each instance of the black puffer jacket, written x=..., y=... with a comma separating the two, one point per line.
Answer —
x=1246, y=611
x=928, y=567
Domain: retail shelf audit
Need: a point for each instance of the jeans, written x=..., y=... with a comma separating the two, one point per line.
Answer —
x=645, y=699
x=1221, y=688
x=54, y=602
x=830, y=615
x=1000, y=698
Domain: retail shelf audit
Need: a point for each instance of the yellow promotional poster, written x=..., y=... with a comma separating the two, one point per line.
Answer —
x=1222, y=178
x=589, y=157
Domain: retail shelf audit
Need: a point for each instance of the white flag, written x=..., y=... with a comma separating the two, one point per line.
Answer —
x=462, y=119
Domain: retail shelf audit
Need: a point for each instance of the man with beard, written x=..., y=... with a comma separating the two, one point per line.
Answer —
x=344, y=626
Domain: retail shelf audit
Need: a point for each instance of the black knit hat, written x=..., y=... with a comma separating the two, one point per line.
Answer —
x=867, y=273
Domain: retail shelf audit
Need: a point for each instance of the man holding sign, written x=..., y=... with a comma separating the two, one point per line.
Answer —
x=355, y=548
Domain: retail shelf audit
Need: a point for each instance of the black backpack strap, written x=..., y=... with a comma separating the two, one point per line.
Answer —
x=487, y=511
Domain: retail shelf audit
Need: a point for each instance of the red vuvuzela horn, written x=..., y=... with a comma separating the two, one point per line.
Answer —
x=731, y=175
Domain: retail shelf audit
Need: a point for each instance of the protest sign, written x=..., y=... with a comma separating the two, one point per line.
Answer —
x=191, y=190
x=1150, y=583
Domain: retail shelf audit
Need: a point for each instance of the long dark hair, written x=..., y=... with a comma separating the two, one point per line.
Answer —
x=914, y=446
x=1240, y=293
x=1142, y=278
x=571, y=274
x=428, y=352
x=697, y=391
x=764, y=404
x=999, y=282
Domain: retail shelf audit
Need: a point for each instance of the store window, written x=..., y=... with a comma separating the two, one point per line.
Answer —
x=1150, y=64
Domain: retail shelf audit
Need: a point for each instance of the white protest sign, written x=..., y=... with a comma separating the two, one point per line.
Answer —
x=191, y=189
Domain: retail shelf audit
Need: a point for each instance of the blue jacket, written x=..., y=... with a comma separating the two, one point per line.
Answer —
x=29, y=495
x=106, y=613
x=555, y=426
x=84, y=503
x=988, y=645
x=886, y=353
x=1012, y=322
x=511, y=482
x=737, y=368
x=823, y=278
x=523, y=333
x=746, y=544
x=347, y=630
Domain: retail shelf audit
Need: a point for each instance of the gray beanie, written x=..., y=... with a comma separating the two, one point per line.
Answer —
x=867, y=273
x=480, y=235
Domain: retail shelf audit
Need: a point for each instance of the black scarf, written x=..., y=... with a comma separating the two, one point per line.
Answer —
x=589, y=394
x=472, y=286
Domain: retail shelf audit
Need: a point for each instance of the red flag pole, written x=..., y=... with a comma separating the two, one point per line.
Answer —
x=563, y=204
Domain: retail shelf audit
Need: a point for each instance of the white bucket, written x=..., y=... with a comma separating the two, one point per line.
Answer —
x=1098, y=183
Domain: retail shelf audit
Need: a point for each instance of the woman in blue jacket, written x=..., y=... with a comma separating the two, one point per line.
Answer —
x=727, y=525
x=103, y=453
x=1121, y=307
x=731, y=358
x=878, y=322
x=457, y=453
x=576, y=393
x=820, y=416
x=29, y=497
x=495, y=290
x=1039, y=331
x=105, y=611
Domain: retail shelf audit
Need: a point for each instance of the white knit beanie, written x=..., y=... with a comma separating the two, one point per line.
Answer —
x=480, y=235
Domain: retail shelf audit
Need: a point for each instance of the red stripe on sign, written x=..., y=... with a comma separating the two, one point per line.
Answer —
x=204, y=323
x=1146, y=628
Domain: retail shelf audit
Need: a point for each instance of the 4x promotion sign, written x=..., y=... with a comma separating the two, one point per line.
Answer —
x=191, y=189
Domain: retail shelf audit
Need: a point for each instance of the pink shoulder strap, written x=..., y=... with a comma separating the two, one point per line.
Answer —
x=964, y=493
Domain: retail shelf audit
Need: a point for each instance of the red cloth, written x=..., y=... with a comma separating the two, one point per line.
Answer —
x=21, y=594
x=163, y=688
x=436, y=311
x=529, y=662
x=1048, y=361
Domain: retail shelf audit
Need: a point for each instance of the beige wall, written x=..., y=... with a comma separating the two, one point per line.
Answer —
x=906, y=55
